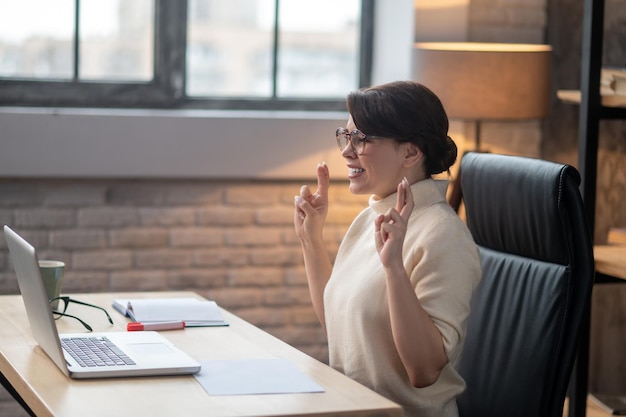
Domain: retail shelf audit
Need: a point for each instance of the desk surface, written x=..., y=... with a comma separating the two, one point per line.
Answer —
x=611, y=260
x=48, y=392
x=593, y=409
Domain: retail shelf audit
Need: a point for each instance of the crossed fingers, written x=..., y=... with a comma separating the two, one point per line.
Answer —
x=395, y=220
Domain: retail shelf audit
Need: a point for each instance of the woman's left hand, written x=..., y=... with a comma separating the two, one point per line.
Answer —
x=390, y=228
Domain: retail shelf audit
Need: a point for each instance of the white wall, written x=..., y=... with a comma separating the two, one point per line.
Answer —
x=173, y=144
x=393, y=39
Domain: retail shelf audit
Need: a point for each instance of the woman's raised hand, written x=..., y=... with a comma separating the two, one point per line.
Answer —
x=390, y=228
x=311, y=209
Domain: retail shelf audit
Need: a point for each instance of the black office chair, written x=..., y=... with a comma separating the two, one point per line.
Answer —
x=528, y=219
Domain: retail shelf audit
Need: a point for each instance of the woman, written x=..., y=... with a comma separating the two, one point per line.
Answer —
x=395, y=303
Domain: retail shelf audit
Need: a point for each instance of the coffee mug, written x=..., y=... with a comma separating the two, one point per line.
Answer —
x=52, y=274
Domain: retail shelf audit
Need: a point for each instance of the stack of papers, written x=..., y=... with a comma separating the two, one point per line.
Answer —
x=254, y=377
x=193, y=312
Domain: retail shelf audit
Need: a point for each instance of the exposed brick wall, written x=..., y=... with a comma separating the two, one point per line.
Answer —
x=230, y=241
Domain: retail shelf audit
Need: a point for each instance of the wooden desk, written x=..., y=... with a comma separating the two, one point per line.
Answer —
x=48, y=392
x=610, y=261
x=593, y=409
x=610, y=264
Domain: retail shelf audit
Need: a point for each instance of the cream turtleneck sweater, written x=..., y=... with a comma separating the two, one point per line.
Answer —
x=443, y=264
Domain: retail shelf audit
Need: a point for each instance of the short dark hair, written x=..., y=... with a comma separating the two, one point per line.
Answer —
x=406, y=111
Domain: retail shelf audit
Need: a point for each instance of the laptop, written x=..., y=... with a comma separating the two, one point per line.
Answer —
x=138, y=353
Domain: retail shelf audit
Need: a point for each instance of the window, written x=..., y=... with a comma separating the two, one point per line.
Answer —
x=226, y=54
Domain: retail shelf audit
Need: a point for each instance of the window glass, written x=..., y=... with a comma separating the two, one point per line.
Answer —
x=318, y=48
x=36, y=38
x=229, y=48
x=116, y=40
x=234, y=54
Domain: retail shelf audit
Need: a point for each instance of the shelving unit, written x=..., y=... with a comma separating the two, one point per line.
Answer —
x=591, y=108
x=591, y=112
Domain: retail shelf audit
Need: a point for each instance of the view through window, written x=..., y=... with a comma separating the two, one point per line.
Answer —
x=231, y=48
x=197, y=50
x=116, y=39
x=34, y=45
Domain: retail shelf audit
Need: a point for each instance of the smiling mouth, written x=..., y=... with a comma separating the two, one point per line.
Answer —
x=354, y=171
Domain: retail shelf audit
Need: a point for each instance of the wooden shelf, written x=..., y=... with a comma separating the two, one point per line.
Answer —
x=608, y=100
x=593, y=108
x=613, y=106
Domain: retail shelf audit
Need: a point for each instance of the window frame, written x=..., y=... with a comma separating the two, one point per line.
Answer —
x=167, y=89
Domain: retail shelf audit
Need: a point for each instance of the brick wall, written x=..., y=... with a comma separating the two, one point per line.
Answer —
x=229, y=241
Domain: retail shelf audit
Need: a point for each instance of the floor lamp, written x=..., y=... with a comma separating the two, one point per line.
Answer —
x=485, y=82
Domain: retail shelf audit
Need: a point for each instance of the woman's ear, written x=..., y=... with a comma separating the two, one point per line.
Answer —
x=413, y=155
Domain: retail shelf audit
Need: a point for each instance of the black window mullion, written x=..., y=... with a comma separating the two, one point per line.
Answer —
x=76, y=40
x=275, y=50
x=366, y=44
x=170, y=49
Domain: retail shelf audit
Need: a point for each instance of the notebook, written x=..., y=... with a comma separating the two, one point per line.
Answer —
x=138, y=353
x=193, y=312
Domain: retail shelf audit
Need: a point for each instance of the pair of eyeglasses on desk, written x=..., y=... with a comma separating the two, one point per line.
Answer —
x=64, y=302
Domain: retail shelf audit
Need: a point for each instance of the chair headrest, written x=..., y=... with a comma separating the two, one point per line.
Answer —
x=512, y=196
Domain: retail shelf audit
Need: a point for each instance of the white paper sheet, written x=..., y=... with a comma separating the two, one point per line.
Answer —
x=254, y=376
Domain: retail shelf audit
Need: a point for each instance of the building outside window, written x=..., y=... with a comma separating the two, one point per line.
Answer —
x=228, y=54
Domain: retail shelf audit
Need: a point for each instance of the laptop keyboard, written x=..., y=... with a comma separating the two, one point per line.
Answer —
x=95, y=351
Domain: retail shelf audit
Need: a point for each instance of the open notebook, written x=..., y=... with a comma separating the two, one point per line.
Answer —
x=127, y=354
x=192, y=311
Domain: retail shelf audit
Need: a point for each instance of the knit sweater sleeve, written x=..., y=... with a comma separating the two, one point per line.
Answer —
x=444, y=269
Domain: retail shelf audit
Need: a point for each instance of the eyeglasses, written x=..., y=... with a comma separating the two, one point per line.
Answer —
x=65, y=301
x=356, y=139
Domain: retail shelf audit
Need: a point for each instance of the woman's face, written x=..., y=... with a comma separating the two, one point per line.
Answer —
x=379, y=169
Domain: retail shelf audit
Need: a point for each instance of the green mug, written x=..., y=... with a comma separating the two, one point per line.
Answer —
x=52, y=275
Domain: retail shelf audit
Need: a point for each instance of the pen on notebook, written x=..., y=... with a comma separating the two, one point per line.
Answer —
x=166, y=325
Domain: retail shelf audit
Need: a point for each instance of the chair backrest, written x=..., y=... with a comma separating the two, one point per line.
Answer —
x=528, y=219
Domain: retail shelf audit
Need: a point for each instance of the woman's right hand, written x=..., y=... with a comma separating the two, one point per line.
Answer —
x=311, y=208
x=309, y=218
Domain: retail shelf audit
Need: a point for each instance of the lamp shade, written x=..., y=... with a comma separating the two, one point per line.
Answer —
x=486, y=81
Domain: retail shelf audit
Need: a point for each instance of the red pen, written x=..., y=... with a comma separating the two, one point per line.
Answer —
x=166, y=325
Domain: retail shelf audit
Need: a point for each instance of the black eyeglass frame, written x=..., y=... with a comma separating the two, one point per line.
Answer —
x=349, y=137
x=66, y=302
